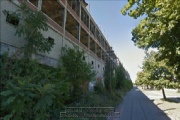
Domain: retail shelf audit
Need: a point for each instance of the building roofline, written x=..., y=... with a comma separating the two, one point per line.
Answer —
x=85, y=3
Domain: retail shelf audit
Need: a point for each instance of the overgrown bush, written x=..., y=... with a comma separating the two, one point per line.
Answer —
x=108, y=76
x=114, y=82
x=78, y=71
x=30, y=90
x=97, y=99
x=99, y=88
x=127, y=85
x=120, y=76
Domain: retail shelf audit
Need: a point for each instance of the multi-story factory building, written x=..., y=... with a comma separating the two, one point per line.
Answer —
x=69, y=24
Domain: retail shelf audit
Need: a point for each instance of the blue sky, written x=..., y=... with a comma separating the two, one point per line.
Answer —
x=117, y=30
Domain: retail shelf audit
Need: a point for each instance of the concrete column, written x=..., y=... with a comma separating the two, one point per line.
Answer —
x=101, y=63
x=79, y=39
x=89, y=31
x=101, y=55
x=104, y=43
x=39, y=5
x=95, y=51
x=64, y=23
x=79, y=33
x=96, y=57
x=95, y=31
x=65, y=17
x=89, y=42
x=89, y=38
x=80, y=4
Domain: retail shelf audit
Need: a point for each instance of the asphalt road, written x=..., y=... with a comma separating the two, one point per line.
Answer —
x=137, y=106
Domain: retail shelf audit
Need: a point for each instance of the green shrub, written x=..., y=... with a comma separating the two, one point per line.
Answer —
x=30, y=90
x=99, y=88
x=78, y=71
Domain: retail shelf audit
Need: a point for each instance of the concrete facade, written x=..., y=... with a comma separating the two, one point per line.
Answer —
x=69, y=24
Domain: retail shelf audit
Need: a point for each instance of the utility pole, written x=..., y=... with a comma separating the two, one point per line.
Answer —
x=110, y=52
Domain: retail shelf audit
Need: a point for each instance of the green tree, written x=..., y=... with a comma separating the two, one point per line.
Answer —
x=142, y=78
x=78, y=71
x=116, y=78
x=32, y=23
x=107, y=76
x=156, y=73
x=159, y=29
x=120, y=76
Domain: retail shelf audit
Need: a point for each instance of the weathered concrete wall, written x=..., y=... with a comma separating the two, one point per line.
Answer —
x=68, y=43
x=10, y=43
x=58, y=40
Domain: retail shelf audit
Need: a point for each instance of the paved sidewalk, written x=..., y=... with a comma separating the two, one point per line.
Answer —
x=136, y=106
x=172, y=109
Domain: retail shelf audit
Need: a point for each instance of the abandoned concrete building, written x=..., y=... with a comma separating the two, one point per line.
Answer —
x=69, y=23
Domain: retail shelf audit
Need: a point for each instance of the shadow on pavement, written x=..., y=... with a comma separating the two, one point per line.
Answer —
x=170, y=109
x=137, y=106
x=172, y=99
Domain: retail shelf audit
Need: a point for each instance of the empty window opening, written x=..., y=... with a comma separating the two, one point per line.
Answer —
x=50, y=40
x=12, y=19
x=84, y=58
x=34, y=2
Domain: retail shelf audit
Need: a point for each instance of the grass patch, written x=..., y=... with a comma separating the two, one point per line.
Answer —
x=97, y=99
